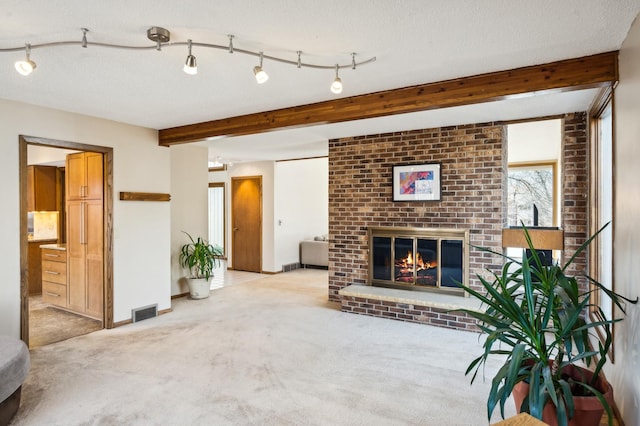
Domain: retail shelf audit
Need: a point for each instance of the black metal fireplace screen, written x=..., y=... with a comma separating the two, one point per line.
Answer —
x=418, y=258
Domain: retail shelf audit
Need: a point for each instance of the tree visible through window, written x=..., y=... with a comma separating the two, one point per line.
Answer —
x=531, y=194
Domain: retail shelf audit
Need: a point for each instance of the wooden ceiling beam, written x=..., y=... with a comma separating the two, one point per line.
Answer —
x=572, y=74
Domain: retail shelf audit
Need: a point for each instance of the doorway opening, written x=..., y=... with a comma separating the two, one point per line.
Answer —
x=66, y=206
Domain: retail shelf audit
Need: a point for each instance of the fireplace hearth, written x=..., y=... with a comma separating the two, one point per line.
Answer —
x=423, y=259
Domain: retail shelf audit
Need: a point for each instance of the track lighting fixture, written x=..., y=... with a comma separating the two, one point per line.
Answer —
x=190, y=66
x=336, y=86
x=261, y=75
x=27, y=66
x=162, y=38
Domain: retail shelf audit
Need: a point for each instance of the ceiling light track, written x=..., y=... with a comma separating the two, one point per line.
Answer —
x=162, y=39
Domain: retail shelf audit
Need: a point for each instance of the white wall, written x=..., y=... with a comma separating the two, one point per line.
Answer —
x=625, y=373
x=141, y=229
x=301, y=205
x=189, y=204
x=534, y=141
x=266, y=170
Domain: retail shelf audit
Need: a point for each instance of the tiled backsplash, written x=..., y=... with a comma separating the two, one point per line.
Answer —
x=45, y=225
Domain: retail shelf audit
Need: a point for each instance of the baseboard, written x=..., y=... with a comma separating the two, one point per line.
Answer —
x=177, y=296
x=261, y=272
x=121, y=323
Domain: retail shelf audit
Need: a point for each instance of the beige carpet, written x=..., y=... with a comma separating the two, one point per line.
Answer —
x=49, y=325
x=271, y=351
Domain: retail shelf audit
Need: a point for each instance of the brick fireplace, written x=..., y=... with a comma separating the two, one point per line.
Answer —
x=473, y=160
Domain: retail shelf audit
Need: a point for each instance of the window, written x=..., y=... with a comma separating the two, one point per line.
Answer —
x=217, y=215
x=531, y=193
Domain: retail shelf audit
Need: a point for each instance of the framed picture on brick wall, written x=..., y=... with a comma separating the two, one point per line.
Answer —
x=416, y=182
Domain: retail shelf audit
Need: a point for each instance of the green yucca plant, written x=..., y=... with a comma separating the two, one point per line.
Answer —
x=535, y=316
x=200, y=257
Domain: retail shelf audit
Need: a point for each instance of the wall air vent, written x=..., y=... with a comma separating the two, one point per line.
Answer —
x=144, y=313
x=290, y=267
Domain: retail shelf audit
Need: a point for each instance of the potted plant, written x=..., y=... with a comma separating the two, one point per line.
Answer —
x=199, y=257
x=534, y=317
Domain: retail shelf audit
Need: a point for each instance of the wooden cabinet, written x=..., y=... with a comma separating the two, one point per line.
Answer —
x=85, y=235
x=84, y=176
x=54, y=277
x=41, y=188
x=35, y=265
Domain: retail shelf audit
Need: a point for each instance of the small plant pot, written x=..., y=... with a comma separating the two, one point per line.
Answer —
x=588, y=409
x=199, y=288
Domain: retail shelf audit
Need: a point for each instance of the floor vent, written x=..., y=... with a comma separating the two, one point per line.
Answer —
x=290, y=267
x=144, y=313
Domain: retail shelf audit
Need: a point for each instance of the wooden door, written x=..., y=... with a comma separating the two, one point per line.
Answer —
x=94, y=175
x=246, y=220
x=84, y=176
x=75, y=176
x=76, y=272
x=94, y=259
x=41, y=188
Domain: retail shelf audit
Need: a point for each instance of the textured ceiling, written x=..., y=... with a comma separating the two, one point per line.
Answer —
x=414, y=41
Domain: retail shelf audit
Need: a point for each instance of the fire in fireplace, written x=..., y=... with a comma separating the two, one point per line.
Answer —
x=418, y=258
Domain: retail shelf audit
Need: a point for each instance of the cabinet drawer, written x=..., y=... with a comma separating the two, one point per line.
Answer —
x=54, y=255
x=54, y=293
x=54, y=271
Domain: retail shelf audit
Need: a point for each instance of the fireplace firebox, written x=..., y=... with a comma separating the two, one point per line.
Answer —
x=424, y=259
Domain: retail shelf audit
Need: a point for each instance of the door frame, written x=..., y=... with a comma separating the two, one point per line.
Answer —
x=107, y=159
x=233, y=216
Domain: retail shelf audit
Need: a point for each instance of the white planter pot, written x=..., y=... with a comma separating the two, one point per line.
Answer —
x=199, y=287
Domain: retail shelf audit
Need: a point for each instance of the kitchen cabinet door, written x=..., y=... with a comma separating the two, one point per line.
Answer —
x=84, y=176
x=76, y=259
x=85, y=248
x=41, y=188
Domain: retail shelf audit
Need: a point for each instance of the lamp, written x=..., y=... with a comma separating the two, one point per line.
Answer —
x=27, y=66
x=261, y=75
x=190, y=66
x=336, y=86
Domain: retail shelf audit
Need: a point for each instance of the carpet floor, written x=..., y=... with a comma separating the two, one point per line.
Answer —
x=49, y=325
x=271, y=351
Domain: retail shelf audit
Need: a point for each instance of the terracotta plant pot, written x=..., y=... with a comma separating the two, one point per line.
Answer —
x=588, y=410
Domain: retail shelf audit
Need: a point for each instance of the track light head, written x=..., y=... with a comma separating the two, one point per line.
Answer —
x=336, y=86
x=27, y=66
x=260, y=74
x=190, y=65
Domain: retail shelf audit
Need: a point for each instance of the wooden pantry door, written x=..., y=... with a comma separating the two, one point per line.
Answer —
x=246, y=223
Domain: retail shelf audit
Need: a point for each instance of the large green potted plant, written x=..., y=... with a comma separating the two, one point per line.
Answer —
x=200, y=258
x=535, y=318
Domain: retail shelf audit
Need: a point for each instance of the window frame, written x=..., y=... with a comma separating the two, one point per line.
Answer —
x=605, y=105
